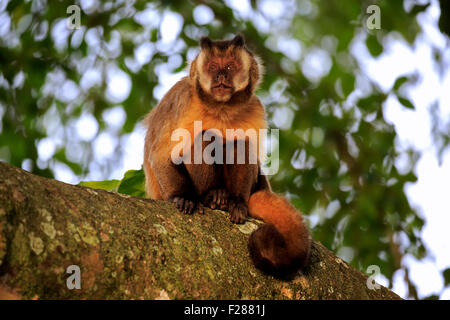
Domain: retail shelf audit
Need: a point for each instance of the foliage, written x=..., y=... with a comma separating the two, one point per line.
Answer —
x=133, y=184
x=338, y=154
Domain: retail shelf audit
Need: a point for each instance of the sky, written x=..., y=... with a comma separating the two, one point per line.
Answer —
x=413, y=127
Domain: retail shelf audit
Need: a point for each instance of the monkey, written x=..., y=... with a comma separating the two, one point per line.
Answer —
x=219, y=91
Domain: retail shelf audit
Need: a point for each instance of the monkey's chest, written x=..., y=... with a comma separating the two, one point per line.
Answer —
x=229, y=129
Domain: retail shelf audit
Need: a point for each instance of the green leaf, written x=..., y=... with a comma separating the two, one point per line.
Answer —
x=374, y=46
x=108, y=185
x=419, y=8
x=444, y=20
x=348, y=84
x=446, y=274
x=371, y=103
x=133, y=183
x=432, y=297
x=128, y=25
x=405, y=102
x=399, y=82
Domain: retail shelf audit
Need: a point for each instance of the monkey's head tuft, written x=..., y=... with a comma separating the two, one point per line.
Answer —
x=225, y=69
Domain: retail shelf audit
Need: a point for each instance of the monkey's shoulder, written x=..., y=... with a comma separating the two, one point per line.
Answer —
x=178, y=96
x=172, y=105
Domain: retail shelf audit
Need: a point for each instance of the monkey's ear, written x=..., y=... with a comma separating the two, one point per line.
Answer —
x=238, y=40
x=205, y=43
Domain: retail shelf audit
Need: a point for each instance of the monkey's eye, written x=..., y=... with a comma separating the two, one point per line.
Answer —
x=229, y=67
x=213, y=67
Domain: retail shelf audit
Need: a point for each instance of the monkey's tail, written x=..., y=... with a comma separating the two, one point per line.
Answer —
x=281, y=246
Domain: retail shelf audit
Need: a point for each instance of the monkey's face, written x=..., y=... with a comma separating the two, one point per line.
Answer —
x=224, y=75
x=223, y=68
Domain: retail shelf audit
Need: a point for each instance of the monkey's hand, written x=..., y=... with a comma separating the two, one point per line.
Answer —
x=216, y=199
x=185, y=204
x=238, y=210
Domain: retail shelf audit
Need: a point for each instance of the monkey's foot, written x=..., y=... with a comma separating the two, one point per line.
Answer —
x=216, y=199
x=238, y=211
x=184, y=204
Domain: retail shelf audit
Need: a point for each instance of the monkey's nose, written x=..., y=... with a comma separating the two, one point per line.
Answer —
x=221, y=77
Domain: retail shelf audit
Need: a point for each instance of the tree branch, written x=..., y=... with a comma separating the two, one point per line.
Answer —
x=132, y=248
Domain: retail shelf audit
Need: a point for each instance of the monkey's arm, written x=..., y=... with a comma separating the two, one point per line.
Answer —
x=262, y=182
x=176, y=185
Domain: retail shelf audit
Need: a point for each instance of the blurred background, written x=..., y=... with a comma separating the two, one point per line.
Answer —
x=361, y=97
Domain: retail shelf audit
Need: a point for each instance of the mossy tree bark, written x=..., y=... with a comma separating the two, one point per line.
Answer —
x=132, y=248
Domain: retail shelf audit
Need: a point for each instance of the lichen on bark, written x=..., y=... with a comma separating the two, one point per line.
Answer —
x=133, y=248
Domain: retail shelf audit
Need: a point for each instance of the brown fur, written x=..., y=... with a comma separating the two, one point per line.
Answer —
x=240, y=188
x=284, y=242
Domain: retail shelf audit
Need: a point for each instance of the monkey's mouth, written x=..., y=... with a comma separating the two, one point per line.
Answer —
x=222, y=89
